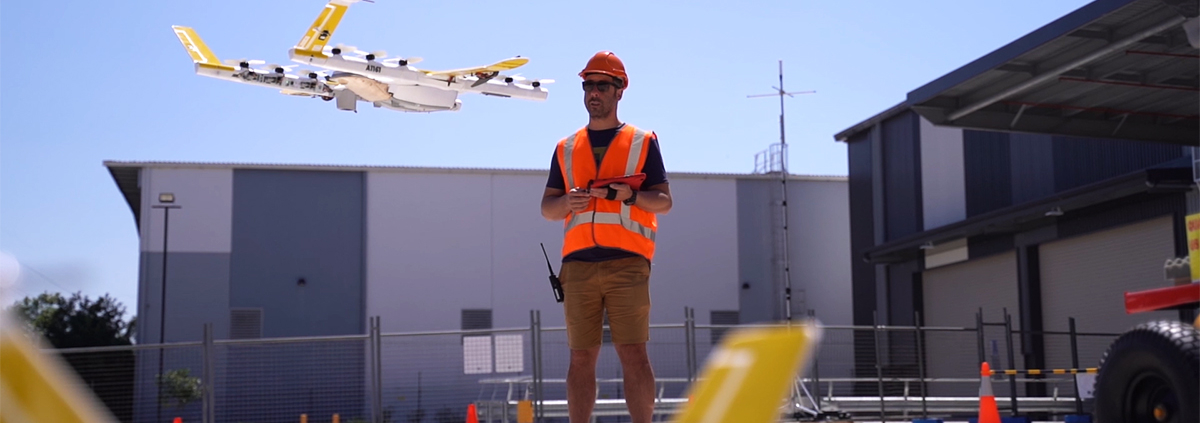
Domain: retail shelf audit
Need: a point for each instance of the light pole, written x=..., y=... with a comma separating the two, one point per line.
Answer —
x=166, y=201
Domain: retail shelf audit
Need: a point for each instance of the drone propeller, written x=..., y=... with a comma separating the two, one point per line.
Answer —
x=538, y=82
x=339, y=49
x=377, y=54
x=403, y=61
x=245, y=63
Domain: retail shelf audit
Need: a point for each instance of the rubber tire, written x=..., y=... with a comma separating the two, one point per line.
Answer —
x=1167, y=349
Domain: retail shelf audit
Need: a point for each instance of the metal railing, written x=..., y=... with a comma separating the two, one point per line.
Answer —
x=873, y=372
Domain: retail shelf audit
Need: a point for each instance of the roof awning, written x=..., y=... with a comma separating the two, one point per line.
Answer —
x=1124, y=69
x=1167, y=179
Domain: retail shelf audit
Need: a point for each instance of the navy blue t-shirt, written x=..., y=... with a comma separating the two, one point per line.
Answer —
x=653, y=168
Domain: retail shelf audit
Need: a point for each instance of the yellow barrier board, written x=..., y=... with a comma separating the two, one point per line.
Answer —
x=748, y=376
x=1193, y=240
x=36, y=387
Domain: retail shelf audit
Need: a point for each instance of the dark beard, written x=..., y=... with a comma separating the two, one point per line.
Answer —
x=598, y=111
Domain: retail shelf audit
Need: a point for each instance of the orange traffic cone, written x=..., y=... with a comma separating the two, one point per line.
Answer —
x=472, y=416
x=988, y=413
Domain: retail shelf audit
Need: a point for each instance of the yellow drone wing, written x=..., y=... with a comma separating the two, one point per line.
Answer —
x=749, y=375
x=503, y=65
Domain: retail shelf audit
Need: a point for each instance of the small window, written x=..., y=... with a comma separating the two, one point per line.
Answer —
x=721, y=317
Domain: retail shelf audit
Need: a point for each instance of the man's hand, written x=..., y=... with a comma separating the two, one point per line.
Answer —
x=577, y=201
x=623, y=192
x=557, y=204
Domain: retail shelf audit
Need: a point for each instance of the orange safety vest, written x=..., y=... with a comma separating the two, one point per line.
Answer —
x=606, y=223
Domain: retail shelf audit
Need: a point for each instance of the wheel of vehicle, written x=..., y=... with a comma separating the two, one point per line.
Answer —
x=1151, y=374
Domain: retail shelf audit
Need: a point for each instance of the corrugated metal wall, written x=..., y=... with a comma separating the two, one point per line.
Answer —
x=1081, y=161
x=902, y=176
x=862, y=231
x=988, y=171
x=1086, y=276
x=952, y=296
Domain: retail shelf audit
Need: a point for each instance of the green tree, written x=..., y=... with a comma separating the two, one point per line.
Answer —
x=76, y=321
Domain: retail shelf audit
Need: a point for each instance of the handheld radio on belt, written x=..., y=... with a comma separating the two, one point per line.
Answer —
x=555, y=285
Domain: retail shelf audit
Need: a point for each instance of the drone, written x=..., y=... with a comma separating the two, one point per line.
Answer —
x=346, y=75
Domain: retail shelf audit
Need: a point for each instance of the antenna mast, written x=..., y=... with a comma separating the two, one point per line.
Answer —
x=783, y=176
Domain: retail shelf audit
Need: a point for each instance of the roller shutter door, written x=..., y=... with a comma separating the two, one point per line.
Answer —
x=952, y=295
x=1085, y=277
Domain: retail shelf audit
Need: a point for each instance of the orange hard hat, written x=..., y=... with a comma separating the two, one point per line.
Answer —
x=607, y=63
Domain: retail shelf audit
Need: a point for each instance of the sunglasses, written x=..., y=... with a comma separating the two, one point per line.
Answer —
x=602, y=86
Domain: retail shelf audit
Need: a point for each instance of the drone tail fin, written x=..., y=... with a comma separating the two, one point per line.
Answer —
x=321, y=31
x=201, y=55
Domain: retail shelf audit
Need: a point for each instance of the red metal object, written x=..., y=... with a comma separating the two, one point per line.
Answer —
x=1162, y=298
x=1128, y=84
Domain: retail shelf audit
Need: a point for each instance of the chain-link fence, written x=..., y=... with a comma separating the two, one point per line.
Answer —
x=865, y=371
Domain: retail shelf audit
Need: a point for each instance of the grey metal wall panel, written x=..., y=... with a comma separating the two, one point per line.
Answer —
x=819, y=220
x=1081, y=161
x=902, y=176
x=1086, y=276
x=1130, y=210
x=862, y=231
x=988, y=171
x=757, y=294
x=197, y=293
x=292, y=225
x=1032, y=167
x=943, y=190
x=952, y=296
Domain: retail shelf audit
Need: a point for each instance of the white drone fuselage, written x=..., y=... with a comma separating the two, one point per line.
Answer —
x=401, y=76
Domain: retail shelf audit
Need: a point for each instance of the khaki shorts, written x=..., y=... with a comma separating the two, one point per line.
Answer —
x=621, y=287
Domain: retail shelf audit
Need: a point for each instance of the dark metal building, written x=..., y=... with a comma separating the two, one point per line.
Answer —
x=1043, y=180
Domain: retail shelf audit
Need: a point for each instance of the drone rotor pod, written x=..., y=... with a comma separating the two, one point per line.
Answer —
x=309, y=73
x=341, y=48
x=402, y=61
x=377, y=54
x=539, y=82
x=242, y=63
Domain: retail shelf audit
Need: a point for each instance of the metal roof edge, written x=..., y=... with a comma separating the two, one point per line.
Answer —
x=1046, y=33
x=867, y=124
x=432, y=169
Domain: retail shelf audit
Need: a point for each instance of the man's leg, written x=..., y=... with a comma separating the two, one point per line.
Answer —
x=639, y=381
x=627, y=298
x=581, y=384
x=583, y=305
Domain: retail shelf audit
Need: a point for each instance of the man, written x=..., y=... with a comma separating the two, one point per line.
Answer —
x=608, y=240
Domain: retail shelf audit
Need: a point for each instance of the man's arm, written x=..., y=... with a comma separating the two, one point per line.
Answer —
x=655, y=199
x=554, y=204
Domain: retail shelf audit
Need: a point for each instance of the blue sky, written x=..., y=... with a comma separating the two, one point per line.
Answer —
x=86, y=81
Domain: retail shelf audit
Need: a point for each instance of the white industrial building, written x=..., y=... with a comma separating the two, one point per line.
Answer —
x=268, y=251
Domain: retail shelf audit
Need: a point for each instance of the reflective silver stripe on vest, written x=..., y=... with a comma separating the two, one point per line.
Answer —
x=568, y=150
x=635, y=151
x=610, y=219
x=635, y=155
